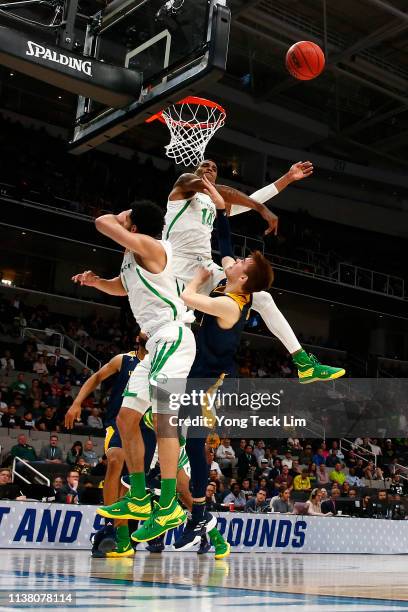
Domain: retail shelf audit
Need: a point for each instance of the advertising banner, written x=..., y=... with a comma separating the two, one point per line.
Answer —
x=59, y=526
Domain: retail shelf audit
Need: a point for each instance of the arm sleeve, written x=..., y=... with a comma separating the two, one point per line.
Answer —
x=224, y=234
x=262, y=195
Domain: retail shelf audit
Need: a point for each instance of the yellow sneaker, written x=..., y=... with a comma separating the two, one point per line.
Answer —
x=121, y=551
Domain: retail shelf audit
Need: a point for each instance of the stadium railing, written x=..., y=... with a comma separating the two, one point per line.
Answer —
x=58, y=340
x=36, y=474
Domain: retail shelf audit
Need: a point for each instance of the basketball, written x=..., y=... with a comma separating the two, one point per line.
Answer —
x=305, y=60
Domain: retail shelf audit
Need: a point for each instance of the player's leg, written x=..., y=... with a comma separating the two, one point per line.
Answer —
x=114, y=491
x=115, y=532
x=222, y=548
x=150, y=443
x=173, y=356
x=116, y=459
x=183, y=490
x=309, y=369
x=124, y=546
x=183, y=487
x=137, y=504
x=201, y=521
x=124, y=543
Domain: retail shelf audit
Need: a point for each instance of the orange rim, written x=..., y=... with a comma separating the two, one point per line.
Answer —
x=190, y=100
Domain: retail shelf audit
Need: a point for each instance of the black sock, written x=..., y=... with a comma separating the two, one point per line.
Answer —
x=197, y=512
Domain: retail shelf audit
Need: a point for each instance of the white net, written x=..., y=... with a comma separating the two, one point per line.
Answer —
x=192, y=123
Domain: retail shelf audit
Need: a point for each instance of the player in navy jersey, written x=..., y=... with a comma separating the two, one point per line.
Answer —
x=225, y=312
x=217, y=346
x=121, y=366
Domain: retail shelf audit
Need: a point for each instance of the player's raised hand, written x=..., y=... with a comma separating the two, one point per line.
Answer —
x=300, y=170
x=88, y=278
x=72, y=415
x=211, y=191
x=272, y=221
x=202, y=275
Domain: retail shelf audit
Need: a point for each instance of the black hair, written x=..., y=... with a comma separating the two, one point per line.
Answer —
x=148, y=218
x=77, y=443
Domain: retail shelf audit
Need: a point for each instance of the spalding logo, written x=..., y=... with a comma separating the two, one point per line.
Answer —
x=74, y=63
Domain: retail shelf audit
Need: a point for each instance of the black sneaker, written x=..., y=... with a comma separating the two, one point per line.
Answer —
x=156, y=545
x=103, y=541
x=204, y=546
x=194, y=531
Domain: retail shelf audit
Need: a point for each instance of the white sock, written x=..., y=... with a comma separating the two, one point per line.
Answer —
x=275, y=321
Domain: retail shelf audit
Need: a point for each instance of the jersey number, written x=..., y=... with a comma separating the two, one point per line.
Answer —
x=207, y=217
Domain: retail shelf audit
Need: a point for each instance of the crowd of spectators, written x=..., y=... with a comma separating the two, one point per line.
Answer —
x=302, y=477
x=81, y=457
x=40, y=404
x=103, y=337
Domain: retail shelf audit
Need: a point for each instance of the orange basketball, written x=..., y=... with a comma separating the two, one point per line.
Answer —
x=305, y=60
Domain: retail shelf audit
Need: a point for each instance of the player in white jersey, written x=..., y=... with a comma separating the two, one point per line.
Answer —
x=189, y=224
x=147, y=279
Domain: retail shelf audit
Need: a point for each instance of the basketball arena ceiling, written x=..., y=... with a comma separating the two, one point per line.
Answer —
x=357, y=109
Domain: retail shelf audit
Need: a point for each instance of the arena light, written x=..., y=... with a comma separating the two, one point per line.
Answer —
x=169, y=8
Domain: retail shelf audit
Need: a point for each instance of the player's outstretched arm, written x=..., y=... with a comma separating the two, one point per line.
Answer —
x=225, y=309
x=112, y=286
x=296, y=172
x=233, y=197
x=148, y=248
x=89, y=386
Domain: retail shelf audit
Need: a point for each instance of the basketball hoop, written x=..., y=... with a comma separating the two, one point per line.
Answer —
x=192, y=123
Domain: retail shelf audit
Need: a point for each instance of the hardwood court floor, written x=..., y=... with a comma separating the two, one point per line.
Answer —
x=177, y=582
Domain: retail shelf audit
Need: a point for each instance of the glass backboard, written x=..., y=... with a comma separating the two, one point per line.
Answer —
x=175, y=45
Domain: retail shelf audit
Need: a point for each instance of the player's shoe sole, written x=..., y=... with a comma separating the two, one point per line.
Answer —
x=222, y=551
x=306, y=381
x=114, y=554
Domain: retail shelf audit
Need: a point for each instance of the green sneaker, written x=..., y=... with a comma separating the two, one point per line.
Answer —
x=160, y=521
x=221, y=547
x=128, y=508
x=311, y=370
